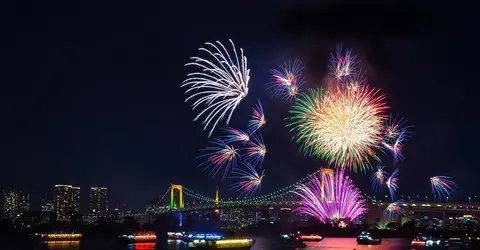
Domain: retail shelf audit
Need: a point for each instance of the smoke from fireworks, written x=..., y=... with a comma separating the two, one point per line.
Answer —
x=258, y=118
x=249, y=182
x=219, y=85
x=287, y=81
x=221, y=156
x=392, y=183
x=342, y=125
x=378, y=179
x=442, y=186
x=337, y=201
x=255, y=150
x=235, y=135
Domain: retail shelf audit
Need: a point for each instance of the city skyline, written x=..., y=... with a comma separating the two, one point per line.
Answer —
x=97, y=108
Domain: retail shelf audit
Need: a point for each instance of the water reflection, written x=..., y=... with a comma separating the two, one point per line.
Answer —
x=135, y=246
x=67, y=244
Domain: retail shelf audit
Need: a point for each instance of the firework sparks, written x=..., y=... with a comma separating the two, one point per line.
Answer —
x=249, y=182
x=331, y=198
x=342, y=125
x=287, y=81
x=378, y=179
x=343, y=66
x=392, y=184
x=221, y=156
x=394, y=136
x=258, y=118
x=235, y=135
x=393, y=212
x=219, y=85
x=442, y=186
x=255, y=151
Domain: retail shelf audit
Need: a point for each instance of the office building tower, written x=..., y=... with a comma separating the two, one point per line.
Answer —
x=98, y=202
x=14, y=203
x=47, y=205
x=66, y=201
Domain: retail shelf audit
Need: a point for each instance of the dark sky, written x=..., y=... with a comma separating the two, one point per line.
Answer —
x=91, y=91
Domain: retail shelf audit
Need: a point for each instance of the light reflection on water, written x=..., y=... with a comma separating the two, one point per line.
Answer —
x=269, y=244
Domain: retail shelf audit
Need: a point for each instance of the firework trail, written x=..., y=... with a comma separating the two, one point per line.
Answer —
x=255, y=150
x=249, y=182
x=221, y=156
x=258, y=118
x=394, y=135
x=235, y=135
x=219, y=85
x=342, y=125
x=393, y=212
x=335, y=201
x=287, y=81
x=343, y=66
x=442, y=186
x=392, y=184
x=378, y=179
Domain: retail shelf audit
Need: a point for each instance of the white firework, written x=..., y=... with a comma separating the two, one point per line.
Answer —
x=220, y=84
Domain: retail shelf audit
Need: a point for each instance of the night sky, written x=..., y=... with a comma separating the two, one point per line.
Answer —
x=91, y=91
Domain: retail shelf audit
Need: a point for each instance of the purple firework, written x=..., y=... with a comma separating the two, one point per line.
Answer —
x=338, y=201
x=392, y=184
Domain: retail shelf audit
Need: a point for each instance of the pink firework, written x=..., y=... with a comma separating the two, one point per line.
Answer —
x=235, y=135
x=222, y=156
x=331, y=198
x=249, y=182
x=287, y=81
x=394, y=136
x=442, y=186
x=392, y=184
x=258, y=118
x=378, y=179
x=255, y=150
x=343, y=66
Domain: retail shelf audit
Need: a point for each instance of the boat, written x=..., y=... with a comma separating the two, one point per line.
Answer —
x=292, y=241
x=59, y=237
x=139, y=237
x=311, y=237
x=232, y=244
x=365, y=238
x=422, y=241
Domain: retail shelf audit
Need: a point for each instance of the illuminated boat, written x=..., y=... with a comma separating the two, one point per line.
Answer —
x=292, y=241
x=365, y=238
x=233, y=244
x=422, y=241
x=59, y=237
x=311, y=237
x=139, y=237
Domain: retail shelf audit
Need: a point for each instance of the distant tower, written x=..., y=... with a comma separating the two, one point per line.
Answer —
x=98, y=202
x=216, y=202
x=14, y=203
x=66, y=201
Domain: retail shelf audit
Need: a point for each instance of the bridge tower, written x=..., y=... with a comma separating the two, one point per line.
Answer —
x=216, y=201
x=325, y=172
x=173, y=204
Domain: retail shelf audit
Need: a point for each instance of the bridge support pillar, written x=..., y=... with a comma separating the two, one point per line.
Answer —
x=444, y=218
x=180, y=219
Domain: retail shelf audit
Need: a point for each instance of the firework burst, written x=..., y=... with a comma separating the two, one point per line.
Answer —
x=255, y=150
x=249, y=182
x=378, y=179
x=287, y=81
x=393, y=212
x=235, y=135
x=343, y=66
x=392, y=184
x=331, y=198
x=258, y=118
x=221, y=156
x=219, y=85
x=442, y=186
x=394, y=135
x=342, y=125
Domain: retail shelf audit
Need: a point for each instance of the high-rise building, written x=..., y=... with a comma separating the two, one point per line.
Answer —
x=14, y=203
x=66, y=201
x=98, y=202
